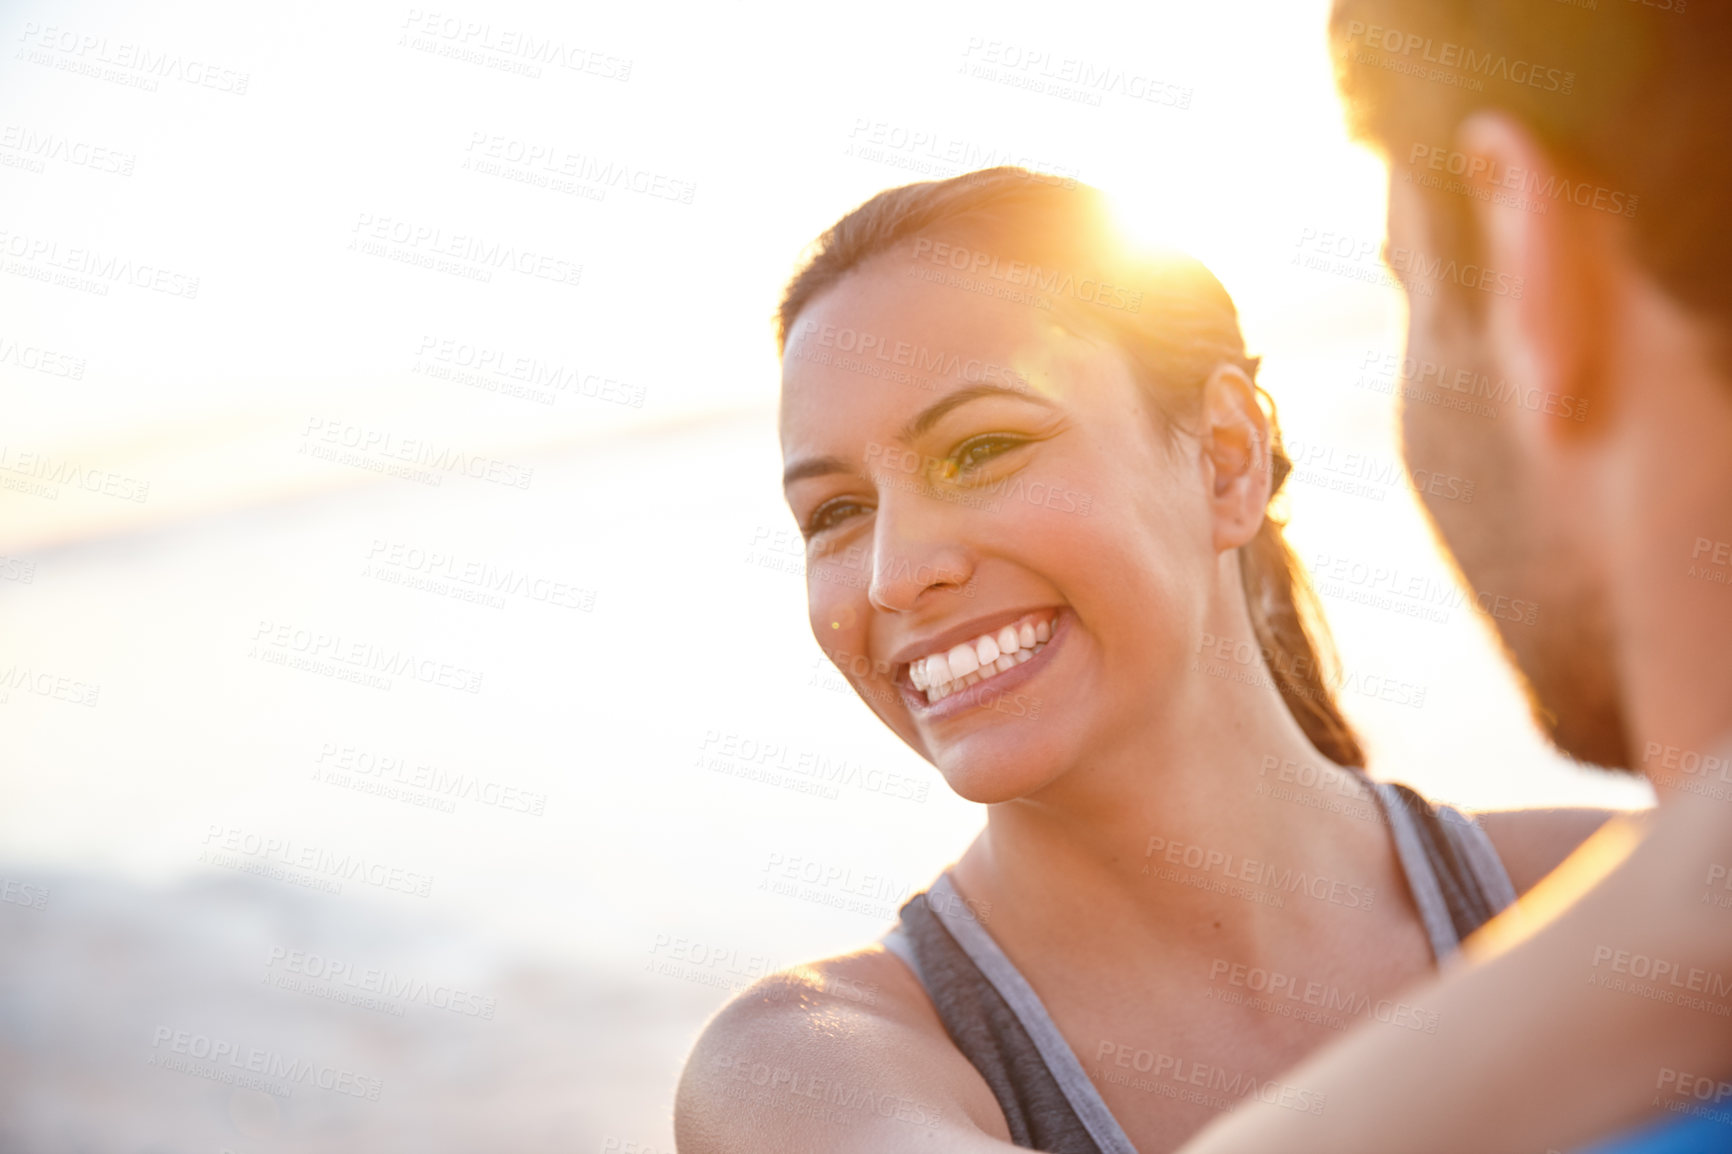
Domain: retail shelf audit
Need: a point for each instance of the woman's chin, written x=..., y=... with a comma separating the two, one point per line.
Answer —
x=977, y=776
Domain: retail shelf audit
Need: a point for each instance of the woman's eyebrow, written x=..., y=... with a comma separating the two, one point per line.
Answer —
x=932, y=413
x=920, y=423
x=813, y=467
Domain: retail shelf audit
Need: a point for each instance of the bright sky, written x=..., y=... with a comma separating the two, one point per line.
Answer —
x=305, y=163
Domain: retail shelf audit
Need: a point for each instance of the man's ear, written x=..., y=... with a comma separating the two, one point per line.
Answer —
x=1545, y=275
x=1236, y=443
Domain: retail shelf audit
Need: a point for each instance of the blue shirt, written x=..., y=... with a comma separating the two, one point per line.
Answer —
x=1709, y=1132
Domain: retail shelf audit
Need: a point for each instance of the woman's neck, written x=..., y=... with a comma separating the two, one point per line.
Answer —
x=1213, y=825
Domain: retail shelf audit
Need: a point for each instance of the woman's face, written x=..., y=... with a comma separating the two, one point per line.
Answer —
x=984, y=492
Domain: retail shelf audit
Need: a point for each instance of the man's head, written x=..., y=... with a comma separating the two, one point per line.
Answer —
x=1560, y=174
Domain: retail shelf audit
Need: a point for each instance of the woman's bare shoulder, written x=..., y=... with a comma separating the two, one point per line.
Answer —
x=1534, y=842
x=842, y=1050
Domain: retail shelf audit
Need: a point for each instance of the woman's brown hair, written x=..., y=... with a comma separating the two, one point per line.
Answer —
x=1047, y=242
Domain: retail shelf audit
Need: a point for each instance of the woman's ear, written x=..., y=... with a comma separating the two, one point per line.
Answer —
x=1237, y=447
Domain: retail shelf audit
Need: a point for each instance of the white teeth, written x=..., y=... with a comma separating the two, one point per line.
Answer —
x=941, y=674
x=962, y=661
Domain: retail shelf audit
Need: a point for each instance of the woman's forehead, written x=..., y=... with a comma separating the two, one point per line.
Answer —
x=886, y=301
x=860, y=358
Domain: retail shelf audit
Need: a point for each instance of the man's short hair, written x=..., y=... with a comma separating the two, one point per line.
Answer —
x=1631, y=99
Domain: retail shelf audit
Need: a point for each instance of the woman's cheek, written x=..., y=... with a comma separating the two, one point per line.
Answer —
x=837, y=625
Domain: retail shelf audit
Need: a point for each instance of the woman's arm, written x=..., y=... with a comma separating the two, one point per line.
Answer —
x=1551, y=1034
x=846, y=1055
x=1532, y=843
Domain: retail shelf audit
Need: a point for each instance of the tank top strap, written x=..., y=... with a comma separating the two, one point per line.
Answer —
x=1453, y=871
x=1001, y=1026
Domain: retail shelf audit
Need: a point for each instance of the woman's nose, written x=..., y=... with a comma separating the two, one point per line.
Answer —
x=904, y=567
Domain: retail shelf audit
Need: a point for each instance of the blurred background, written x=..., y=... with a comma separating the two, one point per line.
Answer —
x=402, y=638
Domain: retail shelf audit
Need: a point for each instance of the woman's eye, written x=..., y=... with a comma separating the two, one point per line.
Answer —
x=977, y=451
x=832, y=513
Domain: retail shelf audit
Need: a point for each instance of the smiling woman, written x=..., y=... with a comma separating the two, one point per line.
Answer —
x=1032, y=468
x=1035, y=261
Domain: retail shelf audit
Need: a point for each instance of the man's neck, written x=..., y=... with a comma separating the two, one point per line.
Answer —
x=1668, y=495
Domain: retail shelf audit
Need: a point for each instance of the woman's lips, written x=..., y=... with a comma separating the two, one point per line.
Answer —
x=989, y=692
x=982, y=657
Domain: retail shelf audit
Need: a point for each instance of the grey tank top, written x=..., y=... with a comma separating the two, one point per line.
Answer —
x=999, y=1023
